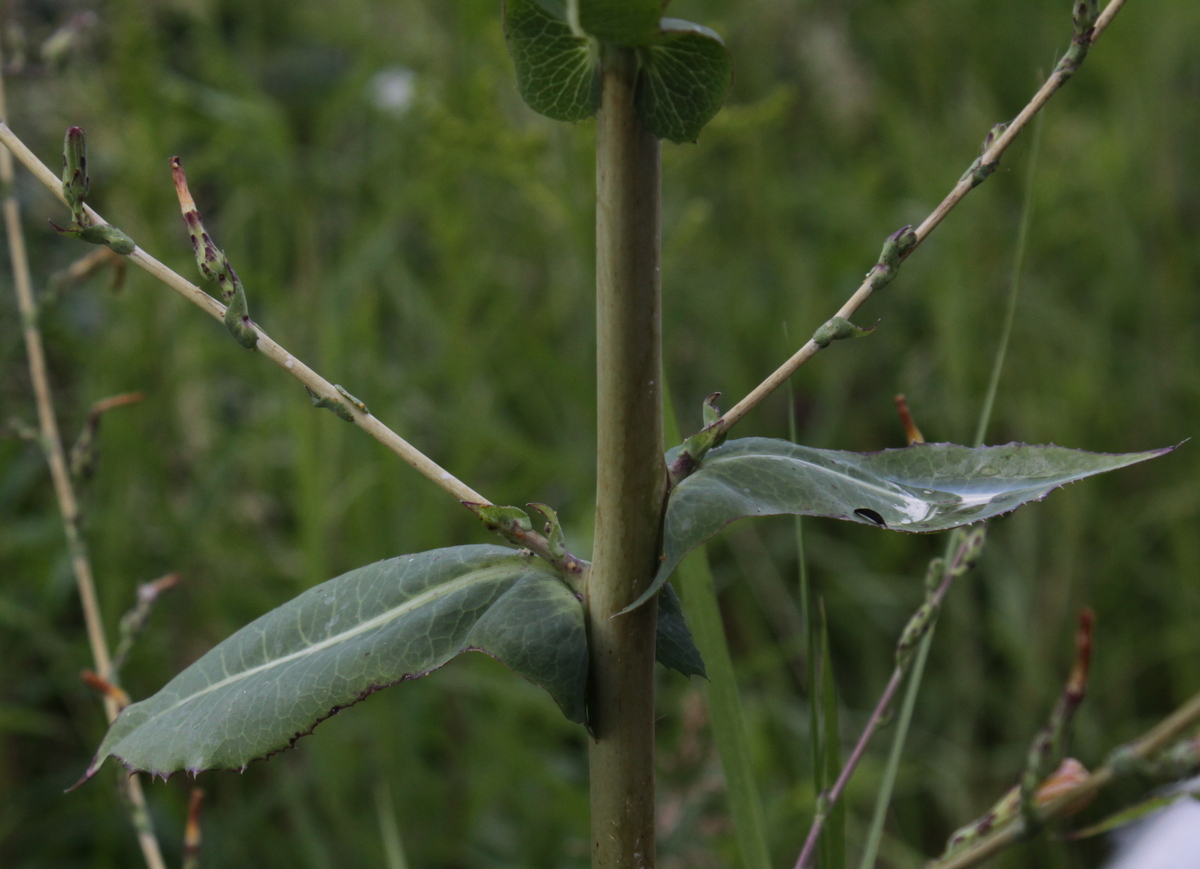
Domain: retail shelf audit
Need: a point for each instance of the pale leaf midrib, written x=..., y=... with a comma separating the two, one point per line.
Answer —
x=426, y=597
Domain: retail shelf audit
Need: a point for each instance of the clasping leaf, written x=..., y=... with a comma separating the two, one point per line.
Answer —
x=558, y=71
x=924, y=487
x=276, y=679
x=684, y=69
x=685, y=73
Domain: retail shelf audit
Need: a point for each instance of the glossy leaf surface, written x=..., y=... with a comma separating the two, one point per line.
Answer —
x=924, y=487
x=277, y=678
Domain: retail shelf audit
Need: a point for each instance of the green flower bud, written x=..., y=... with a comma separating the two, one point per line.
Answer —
x=1084, y=14
x=837, y=329
x=75, y=174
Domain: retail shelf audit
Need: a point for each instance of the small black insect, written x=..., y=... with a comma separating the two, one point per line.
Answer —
x=871, y=516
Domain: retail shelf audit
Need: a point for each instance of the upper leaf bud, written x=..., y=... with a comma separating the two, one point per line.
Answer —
x=75, y=174
x=993, y=134
x=1085, y=13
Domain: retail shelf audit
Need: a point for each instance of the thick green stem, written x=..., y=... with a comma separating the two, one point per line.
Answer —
x=631, y=475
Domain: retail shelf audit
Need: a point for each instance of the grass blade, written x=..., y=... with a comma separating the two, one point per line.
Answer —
x=703, y=615
x=728, y=720
x=389, y=832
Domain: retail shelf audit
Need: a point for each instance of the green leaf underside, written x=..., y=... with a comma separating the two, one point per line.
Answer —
x=684, y=77
x=558, y=73
x=674, y=648
x=274, y=680
x=924, y=487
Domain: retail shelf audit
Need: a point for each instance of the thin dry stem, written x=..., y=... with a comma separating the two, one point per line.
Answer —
x=51, y=442
x=268, y=347
x=85, y=267
x=1156, y=739
x=321, y=387
x=987, y=162
x=68, y=506
x=949, y=574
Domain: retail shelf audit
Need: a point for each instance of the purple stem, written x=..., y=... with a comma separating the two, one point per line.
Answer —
x=832, y=795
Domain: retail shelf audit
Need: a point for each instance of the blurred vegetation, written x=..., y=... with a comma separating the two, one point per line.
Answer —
x=403, y=223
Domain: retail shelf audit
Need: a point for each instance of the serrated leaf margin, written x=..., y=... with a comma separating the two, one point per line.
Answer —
x=768, y=449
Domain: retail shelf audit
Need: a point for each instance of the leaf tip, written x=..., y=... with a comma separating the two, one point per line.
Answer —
x=650, y=592
x=83, y=779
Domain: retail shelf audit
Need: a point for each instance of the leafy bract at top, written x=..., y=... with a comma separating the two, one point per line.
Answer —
x=924, y=487
x=277, y=678
x=684, y=69
x=684, y=77
x=273, y=681
x=558, y=72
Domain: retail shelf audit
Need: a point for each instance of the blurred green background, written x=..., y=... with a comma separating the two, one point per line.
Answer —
x=407, y=226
